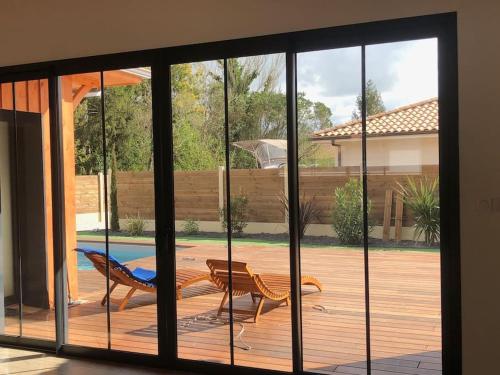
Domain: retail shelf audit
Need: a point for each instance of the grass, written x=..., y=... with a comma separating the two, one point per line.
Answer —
x=219, y=240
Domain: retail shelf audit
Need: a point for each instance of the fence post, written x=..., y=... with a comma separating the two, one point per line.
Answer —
x=285, y=191
x=100, y=195
x=221, y=188
x=108, y=181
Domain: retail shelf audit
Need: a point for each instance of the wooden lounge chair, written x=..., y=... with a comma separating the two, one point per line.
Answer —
x=264, y=286
x=139, y=278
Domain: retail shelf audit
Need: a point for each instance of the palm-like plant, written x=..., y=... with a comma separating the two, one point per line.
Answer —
x=308, y=211
x=422, y=197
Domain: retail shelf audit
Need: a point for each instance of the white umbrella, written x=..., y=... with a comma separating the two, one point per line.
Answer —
x=269, y=153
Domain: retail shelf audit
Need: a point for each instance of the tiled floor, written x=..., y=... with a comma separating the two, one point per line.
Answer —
x=23, y=362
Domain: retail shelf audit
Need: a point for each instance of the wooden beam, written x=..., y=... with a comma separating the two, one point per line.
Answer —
x=34, y=96
x=6, y=90
x=80, y=94
x=43, y=96
x=120, y=78
x=68, y=134
x=87, y=79
x=22, y=96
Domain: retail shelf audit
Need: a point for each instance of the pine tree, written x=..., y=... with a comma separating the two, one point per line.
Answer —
x=374, y=102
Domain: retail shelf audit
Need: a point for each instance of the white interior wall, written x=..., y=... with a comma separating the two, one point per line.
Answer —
x=44, y=30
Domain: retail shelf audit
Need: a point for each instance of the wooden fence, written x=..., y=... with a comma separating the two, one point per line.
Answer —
x=200, y=194
x=88, y=194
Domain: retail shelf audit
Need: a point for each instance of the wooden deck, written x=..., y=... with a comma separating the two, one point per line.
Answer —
x=405, y=313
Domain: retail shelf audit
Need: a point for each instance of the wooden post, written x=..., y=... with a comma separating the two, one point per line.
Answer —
x=221, y=188
x=43, y=106
x=285, y=190
x=399, y=217
x=387, y=215
x=68, y=135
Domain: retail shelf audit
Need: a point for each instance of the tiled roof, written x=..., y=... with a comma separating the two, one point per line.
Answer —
x=417, y=118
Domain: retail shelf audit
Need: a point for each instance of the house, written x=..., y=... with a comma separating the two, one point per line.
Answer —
x=383, y=311
x=405, y=136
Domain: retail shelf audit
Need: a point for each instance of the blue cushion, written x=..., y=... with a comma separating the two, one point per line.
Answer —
x=144, y=274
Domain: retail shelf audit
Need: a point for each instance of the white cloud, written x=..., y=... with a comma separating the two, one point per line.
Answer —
x=404, y=72
x=416, y=76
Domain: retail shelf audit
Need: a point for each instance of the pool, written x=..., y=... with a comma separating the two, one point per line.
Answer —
x=124, y=253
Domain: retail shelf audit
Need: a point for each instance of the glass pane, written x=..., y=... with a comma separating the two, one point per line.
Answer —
x=259, y=180
x=331, y=216
x=403, y=168
x=34, y=209
x=9, y=267
x=85, y=209
x=199, y=157
x=129, y=139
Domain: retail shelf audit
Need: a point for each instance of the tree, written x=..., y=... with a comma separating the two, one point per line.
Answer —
x=374, y=102
x=193, y=145
x=128, y=120
x=88, y=137
x=128, y=127
x=256, y=108
x=322, y=115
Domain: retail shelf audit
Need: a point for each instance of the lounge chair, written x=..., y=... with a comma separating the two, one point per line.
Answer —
x=139, y=278
x=271, y=286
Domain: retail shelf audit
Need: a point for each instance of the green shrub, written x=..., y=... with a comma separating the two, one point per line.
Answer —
x=191, y=226
x=422, y=197
x=239, y=215
x=347, y=217
x=135, y=225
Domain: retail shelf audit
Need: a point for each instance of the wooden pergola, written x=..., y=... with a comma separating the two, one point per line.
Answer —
x=32, y=96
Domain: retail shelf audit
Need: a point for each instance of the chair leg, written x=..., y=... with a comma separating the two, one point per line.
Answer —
x=103, y=302
x=223, y=302
x=178, y=293
x=126, y=299
x=253, y=297
x=259, y=309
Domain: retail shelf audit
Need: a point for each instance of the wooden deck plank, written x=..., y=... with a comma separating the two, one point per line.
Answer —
x=405, y=313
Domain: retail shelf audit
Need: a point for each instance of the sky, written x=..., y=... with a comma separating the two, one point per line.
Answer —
x=404, y=73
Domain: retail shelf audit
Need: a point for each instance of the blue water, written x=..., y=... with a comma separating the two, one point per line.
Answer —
x=123, y=253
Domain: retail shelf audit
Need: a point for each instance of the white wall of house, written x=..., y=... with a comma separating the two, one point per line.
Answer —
x=391, y=150
x=6, y=248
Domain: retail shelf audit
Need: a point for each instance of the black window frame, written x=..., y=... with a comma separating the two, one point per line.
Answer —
x=440, y=26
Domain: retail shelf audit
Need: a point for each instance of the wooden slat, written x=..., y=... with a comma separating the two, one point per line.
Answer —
x=387, y=215
x=405, y=315
x=6, y=90
x=21, y=96
x=34, y=96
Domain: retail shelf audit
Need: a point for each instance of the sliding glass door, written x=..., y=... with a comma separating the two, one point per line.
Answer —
x=402, y=152
x=26, y=252
x=367, y=157
x=331, y=215
x=106, y=125
x=274, y=205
